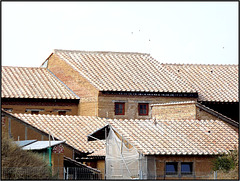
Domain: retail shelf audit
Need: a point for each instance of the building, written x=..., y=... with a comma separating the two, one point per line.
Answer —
x=117, y=84
x=71, y=129
x=36, y=91
x=164, y=149
x=189, y=110
x=106, y=95
x=217, y=85
x=51, y=151
x=123, y=85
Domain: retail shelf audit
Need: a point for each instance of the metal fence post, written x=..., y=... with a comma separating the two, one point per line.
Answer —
x=67, y=173
x=215, y=175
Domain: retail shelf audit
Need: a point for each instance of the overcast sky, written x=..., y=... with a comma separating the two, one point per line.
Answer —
x=172, y=32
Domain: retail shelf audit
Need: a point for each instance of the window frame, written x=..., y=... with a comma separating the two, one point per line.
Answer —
x=191, y=168
x=174, y=173
x=123, y=109
x=147, y=109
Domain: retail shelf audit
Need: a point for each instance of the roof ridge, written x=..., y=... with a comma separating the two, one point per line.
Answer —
x=103, y=52
x=23, y=67
x=195, y=64
x=172, y=103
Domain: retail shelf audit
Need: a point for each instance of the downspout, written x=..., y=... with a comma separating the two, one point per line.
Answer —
x=50, y=152
x=50, y=156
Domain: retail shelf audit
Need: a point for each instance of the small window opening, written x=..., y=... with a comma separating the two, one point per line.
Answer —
x=171, y=168
x=119, y=108
x=34, y=112
x=143, y=109
x=62, y=112
x=186, y=168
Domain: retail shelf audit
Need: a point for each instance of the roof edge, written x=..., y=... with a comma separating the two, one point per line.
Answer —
x=103, y=52
x=43, y=132
x=195, y=64
x=217, y=114
x=63, y=83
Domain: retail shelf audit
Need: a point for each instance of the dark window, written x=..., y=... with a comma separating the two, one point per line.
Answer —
x=171, y=168
x=8, y=109
x=119, y=108
x=62, y=112
x=186, y=168
x=143, y=109
x=34, y=112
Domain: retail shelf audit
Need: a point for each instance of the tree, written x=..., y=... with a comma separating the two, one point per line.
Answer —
x=21, y=164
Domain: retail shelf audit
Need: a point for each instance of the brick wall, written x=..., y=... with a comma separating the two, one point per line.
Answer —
x=106, y=105
x=47, y=109
x=202, y=166
x=174, y=111
x=78, y=84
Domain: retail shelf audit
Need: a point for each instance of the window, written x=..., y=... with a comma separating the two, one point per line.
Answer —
x=171, y=168
x=8, y=109
x=62, y=112
x=34, y=112
x=186, y=168
x=119, y=108
x=143, y=109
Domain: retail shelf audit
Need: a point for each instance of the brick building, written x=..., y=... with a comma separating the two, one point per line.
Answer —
x=71, y=129
x=217, y=85
x=117, y=85
x=164, y=149
x=36, y=91
x=189, y=110
x=124, y=85
x=76, y=93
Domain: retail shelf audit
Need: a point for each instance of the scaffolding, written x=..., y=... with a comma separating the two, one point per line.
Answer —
x=123, y=161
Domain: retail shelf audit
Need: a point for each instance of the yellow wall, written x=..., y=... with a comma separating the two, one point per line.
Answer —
x=78, y=84
x=47, y=109
x=202, y=166
x=106, y=105
x=174, y=111
x=101, y=167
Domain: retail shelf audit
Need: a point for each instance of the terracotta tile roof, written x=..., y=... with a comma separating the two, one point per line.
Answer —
x=205, y=108
x=177, y=137
x=28, y=82
x=217, y=114
x=98, y=153
x=72, y=129
x=82, y=165
x=122, y=71
x=212, y=82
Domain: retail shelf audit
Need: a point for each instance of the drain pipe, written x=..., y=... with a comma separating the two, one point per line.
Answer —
x=50, y=152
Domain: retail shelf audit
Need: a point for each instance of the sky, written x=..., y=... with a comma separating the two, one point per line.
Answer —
x=172, y=32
